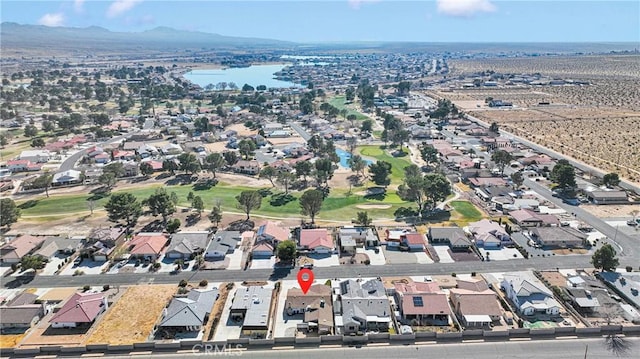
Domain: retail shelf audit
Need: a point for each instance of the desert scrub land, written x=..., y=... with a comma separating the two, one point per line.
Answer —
x=132, y=318
x=596, y=66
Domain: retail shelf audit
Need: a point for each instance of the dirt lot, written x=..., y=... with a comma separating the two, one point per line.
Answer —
x=611, y=211
x=10, y=340
x=242, y=130
x=132, y=318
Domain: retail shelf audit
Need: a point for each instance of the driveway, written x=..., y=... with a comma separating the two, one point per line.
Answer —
x=87, y=266
x=226, y=328
x=376, y=259
x=443, y=254
x=322, y=260
x=54, y=262
x=503, y=254
x=263, y=263
x=285, y=325
x=397, y=257
x=235, y=259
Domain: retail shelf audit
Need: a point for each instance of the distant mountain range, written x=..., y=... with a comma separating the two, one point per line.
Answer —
x=97, y=39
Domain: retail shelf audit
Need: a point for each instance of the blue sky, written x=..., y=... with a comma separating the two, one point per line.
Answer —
x=351, y=20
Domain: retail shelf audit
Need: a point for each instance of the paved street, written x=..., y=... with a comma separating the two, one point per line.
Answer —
x=562, y=348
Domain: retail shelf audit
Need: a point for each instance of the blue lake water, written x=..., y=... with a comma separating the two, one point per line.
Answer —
x=345, y=156
x=255, y=75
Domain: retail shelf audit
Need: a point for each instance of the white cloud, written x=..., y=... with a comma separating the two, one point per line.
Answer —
x=119, y=7
x=78, y=5
x=464, y=8
x=55, y=19
x=356, y=4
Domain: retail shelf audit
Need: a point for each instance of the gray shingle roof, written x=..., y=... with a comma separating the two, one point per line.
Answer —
x=190, y=311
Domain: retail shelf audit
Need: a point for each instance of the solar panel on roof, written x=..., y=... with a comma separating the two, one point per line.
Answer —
x=417, y=301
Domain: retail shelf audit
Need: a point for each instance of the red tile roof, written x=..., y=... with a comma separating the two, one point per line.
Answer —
x=80, y=308
x=144, y=244
x=414, y=239
x=314, y=238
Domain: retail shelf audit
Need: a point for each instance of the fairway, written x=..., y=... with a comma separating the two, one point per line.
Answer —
x=397, y=163
x=338, y=102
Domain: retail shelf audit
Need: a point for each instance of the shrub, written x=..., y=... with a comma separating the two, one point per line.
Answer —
x=629, y=268
x=183, y=283
x=106, y=287
x=328, y=283
x=204, y=283
x=367, y=262
x=182, y=290
x=230, y=286
x=157, y=265
x=473, y=274
x=86, y=288
x=453, y=274
x=78, y=272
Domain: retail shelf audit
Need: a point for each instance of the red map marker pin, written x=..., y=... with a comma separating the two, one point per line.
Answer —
x=305, y=279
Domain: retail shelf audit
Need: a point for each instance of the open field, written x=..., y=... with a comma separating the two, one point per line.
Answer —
x=338, y=102
x=597, y=66
x=132, y=318
x=467, y=210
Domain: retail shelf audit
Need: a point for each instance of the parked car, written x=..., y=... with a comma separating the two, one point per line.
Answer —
x=77, y=261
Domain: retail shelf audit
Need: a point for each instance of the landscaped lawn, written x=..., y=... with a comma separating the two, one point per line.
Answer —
x=338, y=102
x=397, y=163
x=467, y=210
x=338, y=206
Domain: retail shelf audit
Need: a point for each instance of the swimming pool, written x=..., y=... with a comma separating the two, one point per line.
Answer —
x=345, y=156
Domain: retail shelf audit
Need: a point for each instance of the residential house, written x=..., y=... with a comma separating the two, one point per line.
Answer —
x=35, y=156
x=558, y=237
x=57, y=245
x=475, y=304
x=607, y=197
x=190, y=313
x=272, y=233
x=102, y=242
x=81, y=310
x=529, y=218
x=131, y=145
x=363, y=236
x=121, y=155
x=317, y=240
x=529, y=295
x=155, y=164
x=187, y=245
x=102, y=158
x=15, y=249
x=147, y=245
x=94, y=151
x=413, y=242
x=251, y=167
x=454, y=237
x=314, y=305
x=361, y=307
x=584, y=300
x=131, y=169
x=146, y=150
x=262, y=250
x=65, y=178
x=21, y=313
x=171, y=149
x=195, y=146
x=23, y=166
x=252, y=306
x=422, y=303
x=489, y=234
x=223, y=243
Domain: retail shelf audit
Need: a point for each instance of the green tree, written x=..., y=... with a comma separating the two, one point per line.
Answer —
x=517, y=179
x=429, y=154
x=380, y=172
x=246, y=148
x=123, y=206
x=611, y=180
x=363, y=219
x=100, y=119
x=9, y=212
x=564, y=175
x=215, y=216
x=160, y=203
x=214, y=162
x=285, y=178
x=198, y=205
x=286, y=251
x=248, y=201
x=3, y=140
x=303, y=169
x=501, y=158
x=269, y=173
x=48, y=126
x=366, y=126
x=230, y=157
x=32, y=262
x=116, y=168
x=30, y=131
x=494, y=127
x=605, y=258
x=37, y=142
x=188, y=163
x=170, y=165
x=108, y=180
x=311, y=203
x=146, y=169
x=324, y=169
x=357, y=165
x=173, y=225
x=43, y=181
x=425, y=191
